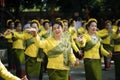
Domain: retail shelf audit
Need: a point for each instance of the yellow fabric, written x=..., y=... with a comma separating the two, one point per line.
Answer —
x=71, y=37
x=5, y=74
x=73, y=33
x=94, y=52
x=41, y=28
x=74, y=46
x=56, y=62
x=116, y=47
x=115, y=28
x=32, y=50
x=107, y=40
x=92, y=19
x=18, y=44
x=72, y=30
x=9, y=37
x=82, y=30
x=67, y=35
x=102, y=33
x=43, y=32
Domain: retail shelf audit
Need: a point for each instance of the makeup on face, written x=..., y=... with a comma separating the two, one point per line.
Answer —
x=93, y=27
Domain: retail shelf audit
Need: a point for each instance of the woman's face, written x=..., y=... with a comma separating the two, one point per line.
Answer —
x=57, y=30
x=47, y=26
x=34, y=25
x=65, y=25
x=93, y=27
x=19, y=27
x=12, y=25
x=108, y=26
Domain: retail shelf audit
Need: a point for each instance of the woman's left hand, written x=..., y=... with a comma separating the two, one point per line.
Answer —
x=32, y=31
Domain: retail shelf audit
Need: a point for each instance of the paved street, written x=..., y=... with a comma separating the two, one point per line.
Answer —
x=79, y=74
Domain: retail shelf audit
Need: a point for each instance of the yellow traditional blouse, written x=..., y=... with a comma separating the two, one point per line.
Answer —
x=72, y=31
x=93, y=53
x=103, y=33
x=82, y=30
x=18, y=43
x=54, y=62
x=5, y=74
x=70, y=38
x=9, y=36
x=45, y=34
x=116, y=46
x=32, y=50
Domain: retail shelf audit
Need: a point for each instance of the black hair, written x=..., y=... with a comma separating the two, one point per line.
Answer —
x=10, y=23
x=118, y=24
x=83, y=23
x=79, y=19
x=71, y=22
x=33, y=23
x=45, y=23
x=16, y=24
x=57, y=22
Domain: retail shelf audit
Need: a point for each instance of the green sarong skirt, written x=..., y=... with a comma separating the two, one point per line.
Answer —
x=116, y=58
x=93, y=69
x=19, y=62
x=33, y=68
x=57, y=74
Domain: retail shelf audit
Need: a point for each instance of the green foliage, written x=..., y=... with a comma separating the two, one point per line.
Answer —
x=97, y=7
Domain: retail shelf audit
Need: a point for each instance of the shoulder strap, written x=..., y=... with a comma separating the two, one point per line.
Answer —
x=90, y=44
x=28, y=42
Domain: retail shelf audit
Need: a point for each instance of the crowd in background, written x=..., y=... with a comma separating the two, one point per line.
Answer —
x=54, y=46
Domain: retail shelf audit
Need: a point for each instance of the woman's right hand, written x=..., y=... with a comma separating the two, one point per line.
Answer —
x=109, y=55
x=32, y=31
x=79, y=39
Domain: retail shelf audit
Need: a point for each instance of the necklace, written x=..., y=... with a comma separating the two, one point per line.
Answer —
x=94, y=38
